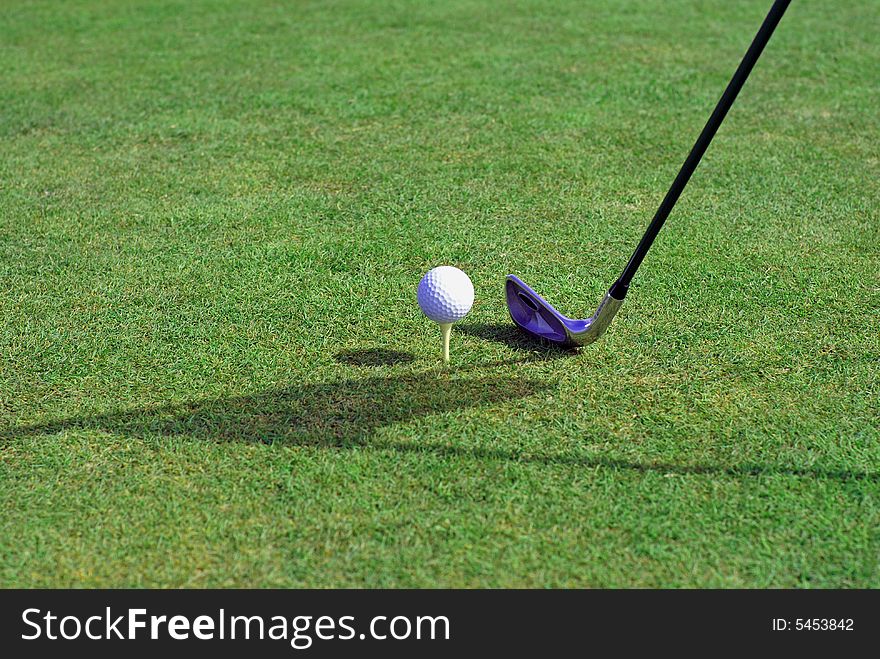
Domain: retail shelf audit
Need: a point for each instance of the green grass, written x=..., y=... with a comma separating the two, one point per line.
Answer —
x=212, y=368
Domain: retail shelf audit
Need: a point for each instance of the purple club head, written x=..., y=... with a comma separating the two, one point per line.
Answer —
x=538, y=317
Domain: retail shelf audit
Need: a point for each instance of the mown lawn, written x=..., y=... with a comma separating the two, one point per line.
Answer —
x=213, y=218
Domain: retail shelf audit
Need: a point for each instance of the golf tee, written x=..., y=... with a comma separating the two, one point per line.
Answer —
x=446, y=329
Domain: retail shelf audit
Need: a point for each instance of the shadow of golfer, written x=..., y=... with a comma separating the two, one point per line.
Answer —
x=328, y=414
x=347, y=413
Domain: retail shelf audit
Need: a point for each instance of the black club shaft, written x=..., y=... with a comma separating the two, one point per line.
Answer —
x=620, y=287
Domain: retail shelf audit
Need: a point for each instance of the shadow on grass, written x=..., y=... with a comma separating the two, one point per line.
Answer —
x=513, y=337
x=373, y=357
x=328, y=414
x=601, y=462
x=346, y=414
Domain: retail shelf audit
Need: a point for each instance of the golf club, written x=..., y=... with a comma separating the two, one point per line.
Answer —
x=538, y=317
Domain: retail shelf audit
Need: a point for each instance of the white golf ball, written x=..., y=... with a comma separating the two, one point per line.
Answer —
x=445, y=294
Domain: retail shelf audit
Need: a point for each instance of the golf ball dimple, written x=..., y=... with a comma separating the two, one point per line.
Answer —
x=445, y=294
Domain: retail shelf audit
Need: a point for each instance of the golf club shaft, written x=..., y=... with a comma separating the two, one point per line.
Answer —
x=620, y=287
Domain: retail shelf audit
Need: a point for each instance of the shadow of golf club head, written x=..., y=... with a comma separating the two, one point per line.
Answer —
x=511, y=336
